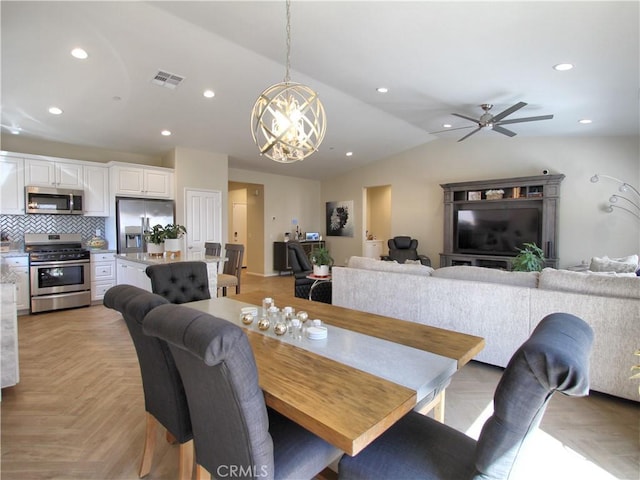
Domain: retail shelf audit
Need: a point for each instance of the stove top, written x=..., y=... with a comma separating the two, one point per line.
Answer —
x=48, y=247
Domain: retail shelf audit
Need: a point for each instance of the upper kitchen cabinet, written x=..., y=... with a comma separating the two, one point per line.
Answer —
x=136, y=181
x=12, y=185
x=96, y=191
x=48, y=173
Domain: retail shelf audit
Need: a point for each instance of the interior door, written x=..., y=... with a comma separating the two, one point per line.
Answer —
x=203, y=218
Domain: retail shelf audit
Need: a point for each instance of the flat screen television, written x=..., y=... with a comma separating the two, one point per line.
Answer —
x=496, y=231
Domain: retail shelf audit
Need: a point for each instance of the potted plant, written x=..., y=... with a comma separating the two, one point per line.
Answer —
x=321, y=261
x=155, y=240
x=173, y=238
x=530, y=258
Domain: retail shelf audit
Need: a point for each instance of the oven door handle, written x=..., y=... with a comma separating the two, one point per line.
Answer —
x=64, y=263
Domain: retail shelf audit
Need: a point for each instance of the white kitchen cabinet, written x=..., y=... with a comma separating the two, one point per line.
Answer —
x=132, y=273
x=373, y=249
x=103, y=274
x=19, y=266
x=131, y=180
x=96, y=191
x=11, y=185
x=49, y=173
x=9, y=358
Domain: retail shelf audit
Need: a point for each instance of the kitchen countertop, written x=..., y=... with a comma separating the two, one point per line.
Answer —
x=14, y=253
x=147, y=259
x=101, y=250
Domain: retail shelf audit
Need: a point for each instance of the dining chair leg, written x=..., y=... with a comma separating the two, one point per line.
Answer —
x=149, y=446
x=185, y=462
x=202, y=473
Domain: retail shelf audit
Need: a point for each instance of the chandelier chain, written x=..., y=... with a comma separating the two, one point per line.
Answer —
x=287, y=76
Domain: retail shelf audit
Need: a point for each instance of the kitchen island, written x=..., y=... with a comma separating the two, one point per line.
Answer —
x=130, y=267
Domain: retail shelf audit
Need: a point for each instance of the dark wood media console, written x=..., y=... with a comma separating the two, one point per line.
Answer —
x=540, y=192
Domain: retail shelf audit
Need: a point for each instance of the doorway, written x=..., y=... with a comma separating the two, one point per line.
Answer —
x=377, y=216
x=238, y=227
x=246, y=223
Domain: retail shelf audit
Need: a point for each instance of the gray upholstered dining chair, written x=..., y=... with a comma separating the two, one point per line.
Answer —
x=231, y=272
x=232, y=428
x=555, y=358
x=180, y=282
x=164, y=398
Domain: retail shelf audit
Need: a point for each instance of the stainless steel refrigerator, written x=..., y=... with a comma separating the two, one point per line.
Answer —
x=134, y=216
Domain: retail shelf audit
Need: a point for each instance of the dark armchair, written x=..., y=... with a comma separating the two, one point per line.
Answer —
x=405, y=248
x=302, y=267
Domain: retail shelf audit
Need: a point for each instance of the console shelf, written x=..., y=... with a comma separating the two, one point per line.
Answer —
x=540, y=191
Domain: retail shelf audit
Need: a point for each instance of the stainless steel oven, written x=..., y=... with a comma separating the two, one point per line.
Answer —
x=60, y=271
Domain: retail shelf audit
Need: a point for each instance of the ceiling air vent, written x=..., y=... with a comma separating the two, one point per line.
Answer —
x=166, y=79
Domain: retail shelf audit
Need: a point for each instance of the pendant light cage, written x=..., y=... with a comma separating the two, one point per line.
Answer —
x=288, y=121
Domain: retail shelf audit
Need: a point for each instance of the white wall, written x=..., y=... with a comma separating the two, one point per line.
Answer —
x=285, y=198
x=416, y=206
x=200, y=170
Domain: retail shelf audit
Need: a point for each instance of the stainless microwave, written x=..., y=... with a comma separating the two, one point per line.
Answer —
x=54, y=201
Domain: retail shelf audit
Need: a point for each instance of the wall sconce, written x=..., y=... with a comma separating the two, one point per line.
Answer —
x=627, y=204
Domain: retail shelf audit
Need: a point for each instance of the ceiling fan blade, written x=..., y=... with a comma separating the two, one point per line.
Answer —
x=451, y=129
x=526, y=119
x=504, y=131
x=474, y=120
x=469, y=134
x=508, y=111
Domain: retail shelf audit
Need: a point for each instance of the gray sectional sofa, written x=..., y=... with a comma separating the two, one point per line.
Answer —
x=504, y=308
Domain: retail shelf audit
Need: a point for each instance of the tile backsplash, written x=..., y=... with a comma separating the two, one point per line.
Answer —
x=15, y=226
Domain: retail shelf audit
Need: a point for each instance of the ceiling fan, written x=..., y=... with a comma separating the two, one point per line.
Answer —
x=495, y=122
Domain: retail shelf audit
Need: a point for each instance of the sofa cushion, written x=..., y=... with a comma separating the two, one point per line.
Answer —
x=590, y=283
x=366, y=263
x=619, y=265
x=488, y=275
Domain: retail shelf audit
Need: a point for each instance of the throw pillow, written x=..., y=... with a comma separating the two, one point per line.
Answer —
x=619, y=265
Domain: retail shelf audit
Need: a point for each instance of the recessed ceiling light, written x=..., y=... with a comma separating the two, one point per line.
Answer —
x=79, y=53
x=563, y=67
x=382, y=89
x=209, y=93
x=446, y=125
x=165, y=133
x=15, y=130
x=349, y=154
x=55, y=111
x=585, y=121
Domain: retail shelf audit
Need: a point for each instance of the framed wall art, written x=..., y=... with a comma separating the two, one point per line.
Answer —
x=340, y=218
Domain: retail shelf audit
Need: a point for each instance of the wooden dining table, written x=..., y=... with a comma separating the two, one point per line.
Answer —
x=340, y=395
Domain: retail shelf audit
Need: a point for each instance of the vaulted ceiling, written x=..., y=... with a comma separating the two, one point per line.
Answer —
x=436, y=58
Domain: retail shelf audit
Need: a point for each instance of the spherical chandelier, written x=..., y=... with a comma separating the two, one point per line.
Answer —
x=288, y=121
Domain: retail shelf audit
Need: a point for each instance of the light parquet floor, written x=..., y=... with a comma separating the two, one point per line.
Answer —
x=78, y=411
